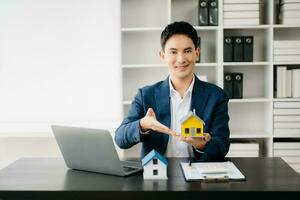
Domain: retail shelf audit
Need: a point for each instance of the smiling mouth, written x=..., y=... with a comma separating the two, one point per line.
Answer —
x=182, y=66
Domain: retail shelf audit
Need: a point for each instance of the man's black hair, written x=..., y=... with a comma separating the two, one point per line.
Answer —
x=178, y=28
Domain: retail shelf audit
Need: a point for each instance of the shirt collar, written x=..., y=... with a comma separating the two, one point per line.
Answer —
x=189, y=90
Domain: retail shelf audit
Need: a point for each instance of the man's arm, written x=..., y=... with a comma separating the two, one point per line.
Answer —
x=136, y=126
x=128, y=133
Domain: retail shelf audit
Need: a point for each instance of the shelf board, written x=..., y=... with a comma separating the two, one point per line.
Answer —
x=199, y=28
x=43, y=129
x=249, y=134
x=285, y=26
x=287, y=136
x=141, y=29
x=250, y=100
x=286, y=63
x=258, y=100
x=144, y=66
x=206, y=65
x=246, y=63
x=164, y=65
x=9, y=135
x=286, y=99
x=248, y=27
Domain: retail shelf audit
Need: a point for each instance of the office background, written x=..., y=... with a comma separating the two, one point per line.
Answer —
x=81, y=62
x=59, y=64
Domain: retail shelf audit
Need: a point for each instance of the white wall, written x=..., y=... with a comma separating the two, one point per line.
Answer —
x=59, y=61
x=59, y=64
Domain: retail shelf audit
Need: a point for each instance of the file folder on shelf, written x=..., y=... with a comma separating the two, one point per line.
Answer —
x=238, y=49
x=211, y=171
x=213, y=12
x=228, y=84
x=199, y=45
x=248, y=48
x=237, y=86
x=228, y=49
x=203, y=12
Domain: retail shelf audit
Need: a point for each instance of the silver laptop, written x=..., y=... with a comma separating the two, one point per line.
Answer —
x=92, y=150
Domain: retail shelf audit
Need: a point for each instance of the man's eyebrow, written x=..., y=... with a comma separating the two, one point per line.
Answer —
x=188, y=48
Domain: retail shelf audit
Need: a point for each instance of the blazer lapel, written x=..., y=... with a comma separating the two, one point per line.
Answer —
x=162, y=100
x=199, y=97
x=163, y=114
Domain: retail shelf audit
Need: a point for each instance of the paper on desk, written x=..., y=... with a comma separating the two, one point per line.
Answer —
x=200, y=171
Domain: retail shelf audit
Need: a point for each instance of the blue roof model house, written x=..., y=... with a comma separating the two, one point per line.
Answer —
x=155, y=166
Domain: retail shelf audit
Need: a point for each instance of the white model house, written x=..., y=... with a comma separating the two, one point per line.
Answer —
x=155, y=166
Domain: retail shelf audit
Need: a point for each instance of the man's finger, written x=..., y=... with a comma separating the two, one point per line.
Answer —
x=189, y=139
x=150, y=112
x=207, y=136
x=173, y=133
x=177, y=137
x=162, y=128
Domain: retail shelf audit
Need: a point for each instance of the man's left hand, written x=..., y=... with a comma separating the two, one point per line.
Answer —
x=197, y=142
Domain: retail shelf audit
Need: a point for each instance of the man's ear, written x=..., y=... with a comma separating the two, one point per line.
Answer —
x=198, y=52
x=162, y=55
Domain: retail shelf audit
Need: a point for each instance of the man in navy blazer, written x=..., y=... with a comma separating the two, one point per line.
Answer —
x=149, y=118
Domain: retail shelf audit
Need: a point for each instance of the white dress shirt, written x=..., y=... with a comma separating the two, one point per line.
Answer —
x=179, y=107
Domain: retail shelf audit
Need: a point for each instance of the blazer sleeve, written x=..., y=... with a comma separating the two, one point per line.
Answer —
x=128, y=133
x=218, y=146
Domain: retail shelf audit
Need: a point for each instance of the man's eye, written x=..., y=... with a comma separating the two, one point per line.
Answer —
x=188, y=51
x=173, y=52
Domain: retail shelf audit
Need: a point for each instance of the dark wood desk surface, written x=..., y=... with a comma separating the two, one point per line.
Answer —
x=42, y=178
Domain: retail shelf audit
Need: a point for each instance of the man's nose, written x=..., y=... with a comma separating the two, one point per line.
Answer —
x=181, y=58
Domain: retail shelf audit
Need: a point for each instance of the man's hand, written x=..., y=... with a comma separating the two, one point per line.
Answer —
x=149, y=122
x=197, y=142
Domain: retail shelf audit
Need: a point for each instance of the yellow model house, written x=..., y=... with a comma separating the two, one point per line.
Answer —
x=191, y=125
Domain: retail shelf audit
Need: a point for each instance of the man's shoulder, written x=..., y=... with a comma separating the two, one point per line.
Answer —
x=210, y=86
x=213, y=89
x=151, y=88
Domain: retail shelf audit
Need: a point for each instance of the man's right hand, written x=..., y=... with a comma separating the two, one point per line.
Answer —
x=149, y=122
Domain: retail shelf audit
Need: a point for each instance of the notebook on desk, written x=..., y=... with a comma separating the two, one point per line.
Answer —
x=211, y=171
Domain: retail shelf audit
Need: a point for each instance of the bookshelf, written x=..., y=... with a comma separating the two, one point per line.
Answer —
x=251, y=118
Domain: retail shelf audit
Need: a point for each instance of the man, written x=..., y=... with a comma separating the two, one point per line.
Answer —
x=155, y=113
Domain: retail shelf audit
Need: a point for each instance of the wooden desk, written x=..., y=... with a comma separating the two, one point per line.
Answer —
x=49, y=178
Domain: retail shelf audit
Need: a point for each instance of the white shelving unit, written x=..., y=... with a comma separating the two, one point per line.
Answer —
x=251, y=118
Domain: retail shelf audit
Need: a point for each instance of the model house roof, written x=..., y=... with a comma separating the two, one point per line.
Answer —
x=188, y=115
x=153, y=154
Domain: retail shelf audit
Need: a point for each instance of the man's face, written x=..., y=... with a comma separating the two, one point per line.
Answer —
x=180, y=55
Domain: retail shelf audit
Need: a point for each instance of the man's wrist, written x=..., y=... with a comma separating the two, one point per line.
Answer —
x=199, y=151
x=144, y=132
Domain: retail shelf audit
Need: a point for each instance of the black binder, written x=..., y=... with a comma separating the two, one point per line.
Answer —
x=238, y=49
x=237, y=85
x=213, y=12
x=199, y=45
x=203, y=12
x=228, y=84
x=228, y=49
x=248, y=48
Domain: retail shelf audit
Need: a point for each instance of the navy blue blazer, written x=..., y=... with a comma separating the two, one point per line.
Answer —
x=210, y=102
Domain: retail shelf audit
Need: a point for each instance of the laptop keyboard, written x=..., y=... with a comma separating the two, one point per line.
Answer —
x=131, y=164
x=129, y=169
